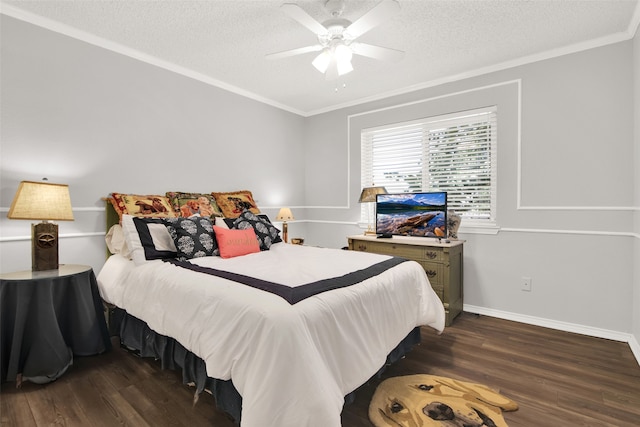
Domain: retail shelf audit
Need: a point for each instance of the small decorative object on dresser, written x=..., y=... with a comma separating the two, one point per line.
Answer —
x=453, y=223
x=297, y=240
x=441, y=261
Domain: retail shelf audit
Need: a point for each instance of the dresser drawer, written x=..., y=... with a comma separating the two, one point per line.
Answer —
x=435, y=272
x=418, y=253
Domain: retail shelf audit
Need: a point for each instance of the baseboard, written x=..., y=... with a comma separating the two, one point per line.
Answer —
x=635, y=348
x=561, y=326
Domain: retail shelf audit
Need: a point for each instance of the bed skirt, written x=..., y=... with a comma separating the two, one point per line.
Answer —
x=137, y=337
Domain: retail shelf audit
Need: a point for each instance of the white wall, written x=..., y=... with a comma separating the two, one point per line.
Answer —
x=565, y=187
x=103, y=122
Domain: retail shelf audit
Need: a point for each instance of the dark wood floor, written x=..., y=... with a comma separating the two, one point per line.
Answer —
x=557, y=378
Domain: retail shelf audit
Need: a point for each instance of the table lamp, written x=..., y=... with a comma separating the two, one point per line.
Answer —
x=285, y=215
x=47, y=202
x=368, y=195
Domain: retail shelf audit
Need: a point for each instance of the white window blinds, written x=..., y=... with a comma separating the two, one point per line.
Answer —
x=455, y=153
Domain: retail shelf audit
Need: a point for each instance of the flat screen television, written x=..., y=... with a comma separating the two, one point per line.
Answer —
x=412, y=214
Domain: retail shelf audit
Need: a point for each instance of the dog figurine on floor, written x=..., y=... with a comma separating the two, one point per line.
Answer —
x=429, y=400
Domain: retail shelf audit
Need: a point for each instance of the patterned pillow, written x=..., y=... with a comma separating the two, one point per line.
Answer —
x=193, y=237
x=232, y=204
x=266, y=232
x=150, y=206
x=194, y=204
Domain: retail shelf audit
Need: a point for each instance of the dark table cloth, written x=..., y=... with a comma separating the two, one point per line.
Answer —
x=47, y=317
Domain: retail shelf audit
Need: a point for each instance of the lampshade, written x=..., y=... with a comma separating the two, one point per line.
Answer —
x=285, y=215
x=369, y=194
x=41, y=200
x=343, y=56
x=322, y=61
x=48, y=202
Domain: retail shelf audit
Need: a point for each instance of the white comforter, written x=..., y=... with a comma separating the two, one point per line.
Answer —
x=292, y=364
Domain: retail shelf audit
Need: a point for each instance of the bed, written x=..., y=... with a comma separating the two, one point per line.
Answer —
x=279, y=336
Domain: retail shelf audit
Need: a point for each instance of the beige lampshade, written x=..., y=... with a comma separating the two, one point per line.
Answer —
x=41, y=200
x=284, y=214
x=369, y=194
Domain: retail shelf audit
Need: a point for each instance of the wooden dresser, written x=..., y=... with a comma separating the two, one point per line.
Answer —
x=441, y=261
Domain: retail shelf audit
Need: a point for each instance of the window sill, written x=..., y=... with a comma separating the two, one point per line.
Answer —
x=478, y=229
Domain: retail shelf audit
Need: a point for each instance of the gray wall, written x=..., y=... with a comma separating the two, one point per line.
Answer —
x=636, y=259
x=566, y=201
x=568, y=160
x=103, y=122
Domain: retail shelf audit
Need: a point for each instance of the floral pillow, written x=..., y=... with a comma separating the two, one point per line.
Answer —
x=234, y=203
x=193, y=237
x=266, y=232
x=150, y=206
x=194, y=204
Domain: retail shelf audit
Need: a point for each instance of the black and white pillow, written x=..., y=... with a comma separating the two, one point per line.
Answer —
x=193, y=237
x=267, y=233
x=147, y=239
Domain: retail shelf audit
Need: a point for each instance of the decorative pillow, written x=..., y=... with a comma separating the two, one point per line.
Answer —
x=116, y=242
x=151, y=206
x=232, y=204
x=266, y=232
x=193, y=237
x=194, y=204
x=234, y=243
x=220, y=222
x=147, y=239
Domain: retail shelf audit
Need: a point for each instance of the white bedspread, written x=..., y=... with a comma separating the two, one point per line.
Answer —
x=292, y=364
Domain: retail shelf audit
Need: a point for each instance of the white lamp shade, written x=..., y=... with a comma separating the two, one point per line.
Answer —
x=284, y=215
x=322, y=61
x=41, y=200
x=344, y=67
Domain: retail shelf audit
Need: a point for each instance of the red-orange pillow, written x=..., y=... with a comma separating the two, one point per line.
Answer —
x=234, y=243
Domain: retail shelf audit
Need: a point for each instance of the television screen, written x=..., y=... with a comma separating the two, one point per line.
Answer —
x=412, y=214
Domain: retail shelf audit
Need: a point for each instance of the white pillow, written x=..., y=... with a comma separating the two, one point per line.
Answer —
x=220, y=222
x=116, y=241
x=150, y=240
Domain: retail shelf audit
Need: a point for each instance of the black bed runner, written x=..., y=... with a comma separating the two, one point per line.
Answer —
x=296, y=294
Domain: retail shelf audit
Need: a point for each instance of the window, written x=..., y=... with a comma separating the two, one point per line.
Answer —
x=455, y=153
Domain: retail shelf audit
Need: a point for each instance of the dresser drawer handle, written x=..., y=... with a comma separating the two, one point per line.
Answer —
x=362, y=247
x=431, y=255
x=431, y=274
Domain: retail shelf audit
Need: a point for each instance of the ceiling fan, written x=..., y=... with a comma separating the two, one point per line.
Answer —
x=336, y=37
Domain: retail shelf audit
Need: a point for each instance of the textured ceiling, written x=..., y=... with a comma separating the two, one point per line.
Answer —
x=224, y=42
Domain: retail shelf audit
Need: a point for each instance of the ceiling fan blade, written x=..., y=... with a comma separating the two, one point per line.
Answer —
x=376, y=52
x=380, y=13
x=293, y=52
x=297, y=13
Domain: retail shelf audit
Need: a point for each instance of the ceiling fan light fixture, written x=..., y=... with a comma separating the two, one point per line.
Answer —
x=343, y=55
x=321, y=63
x=344, y=67
x=337, y=35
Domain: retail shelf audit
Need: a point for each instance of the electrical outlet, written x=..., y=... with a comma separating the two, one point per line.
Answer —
x=526, y=284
